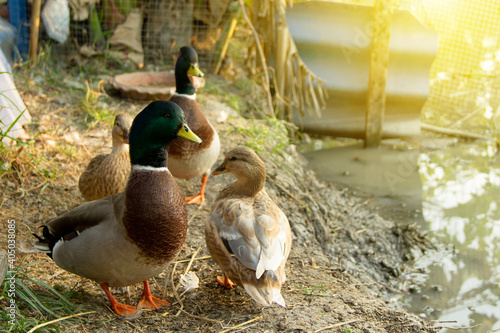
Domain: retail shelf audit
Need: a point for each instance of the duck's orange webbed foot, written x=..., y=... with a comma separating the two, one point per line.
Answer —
x=225, y=282
x=120, y=309
x=150, y=302
x=198, y=199
x=124, y=310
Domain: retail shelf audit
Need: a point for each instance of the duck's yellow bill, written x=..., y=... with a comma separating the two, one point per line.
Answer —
x=194, y=70
x=186, y=133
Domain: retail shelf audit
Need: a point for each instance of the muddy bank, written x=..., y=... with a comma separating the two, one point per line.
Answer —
x=345, y=258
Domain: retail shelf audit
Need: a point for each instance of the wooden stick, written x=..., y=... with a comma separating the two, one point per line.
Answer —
x=158, y=285
x=338, y=325
x=203, y=318
x=58, y=319
x=185, y=272
x=286, y=191
x=356, y=233
x=191, y=261
x=189, y=265
x=262, y=57
x=227, y=35
x=452, y=132
x=241, y=325
x=187, y=260
x=379, y=60
x=35, y=28
x=456, y=328
x=176, y=295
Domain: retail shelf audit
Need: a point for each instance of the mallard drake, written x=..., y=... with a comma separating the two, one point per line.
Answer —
x=107, y=174
x=246, y=233
x=128, y=237
x=188, y=160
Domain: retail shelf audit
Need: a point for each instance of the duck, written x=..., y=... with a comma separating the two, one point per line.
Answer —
x=246, y=233
x=189, y=160
x=107, y=174
x=129, y=237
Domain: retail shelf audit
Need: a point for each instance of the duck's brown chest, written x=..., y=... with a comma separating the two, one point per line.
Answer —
x=155, y=216
x=197, y=122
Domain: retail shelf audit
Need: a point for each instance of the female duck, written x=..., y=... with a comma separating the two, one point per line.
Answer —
x=186, y=159
x=107, y=174
x=129, y=237
x=247, y=234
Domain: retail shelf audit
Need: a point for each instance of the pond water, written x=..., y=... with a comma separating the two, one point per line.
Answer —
x=451, y=189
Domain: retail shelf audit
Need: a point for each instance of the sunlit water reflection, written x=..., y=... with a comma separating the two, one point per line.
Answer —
x=461, y=188
x=454, y=197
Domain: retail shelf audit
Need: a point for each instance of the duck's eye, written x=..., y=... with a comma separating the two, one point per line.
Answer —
x=233, y=158
x=168, y=116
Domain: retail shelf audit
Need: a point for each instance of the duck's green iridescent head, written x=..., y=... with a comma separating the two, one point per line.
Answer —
x=187, y=63
x=152, y=131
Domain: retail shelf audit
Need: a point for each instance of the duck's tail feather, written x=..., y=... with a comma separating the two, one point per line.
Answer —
x=45, y=243
x=265, y=295
x=273, y=276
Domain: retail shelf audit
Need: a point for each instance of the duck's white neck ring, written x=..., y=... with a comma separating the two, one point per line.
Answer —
x=193, y=96
x=137, y=167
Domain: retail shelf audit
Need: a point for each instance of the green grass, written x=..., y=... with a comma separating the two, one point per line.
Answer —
x=221, y=88
x=5, y=133
x=348, y=329
x=29, y=166
x=244, y=96
x=315, y=291
x=16, y=157
x=23, y=160
x=36, y=302
x=95, y=111
x=82, y=79
x=268, y=137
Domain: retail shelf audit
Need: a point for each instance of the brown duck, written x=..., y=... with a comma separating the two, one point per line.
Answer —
x=188, y=160
x=246, y=233
x=128, y=237
x=107, y=174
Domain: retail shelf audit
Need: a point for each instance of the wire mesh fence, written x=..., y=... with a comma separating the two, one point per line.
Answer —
x=465, y=75
x=145, y=31
x=154, y=30
x=464, y=78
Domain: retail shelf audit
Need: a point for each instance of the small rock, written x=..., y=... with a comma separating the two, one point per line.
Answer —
x=72, y=137
x=282, y=325
x=222, y=117
x=327, y=308
x=437, y=288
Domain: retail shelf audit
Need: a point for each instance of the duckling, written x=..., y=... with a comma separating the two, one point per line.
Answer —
x=129, y=237
x=246, y=233
x=107, y=174
x=188, y=160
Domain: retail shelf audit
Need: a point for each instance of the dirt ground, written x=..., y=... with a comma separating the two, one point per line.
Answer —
x=345, y=260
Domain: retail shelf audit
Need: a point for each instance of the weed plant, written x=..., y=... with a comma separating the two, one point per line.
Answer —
x=35, y=302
